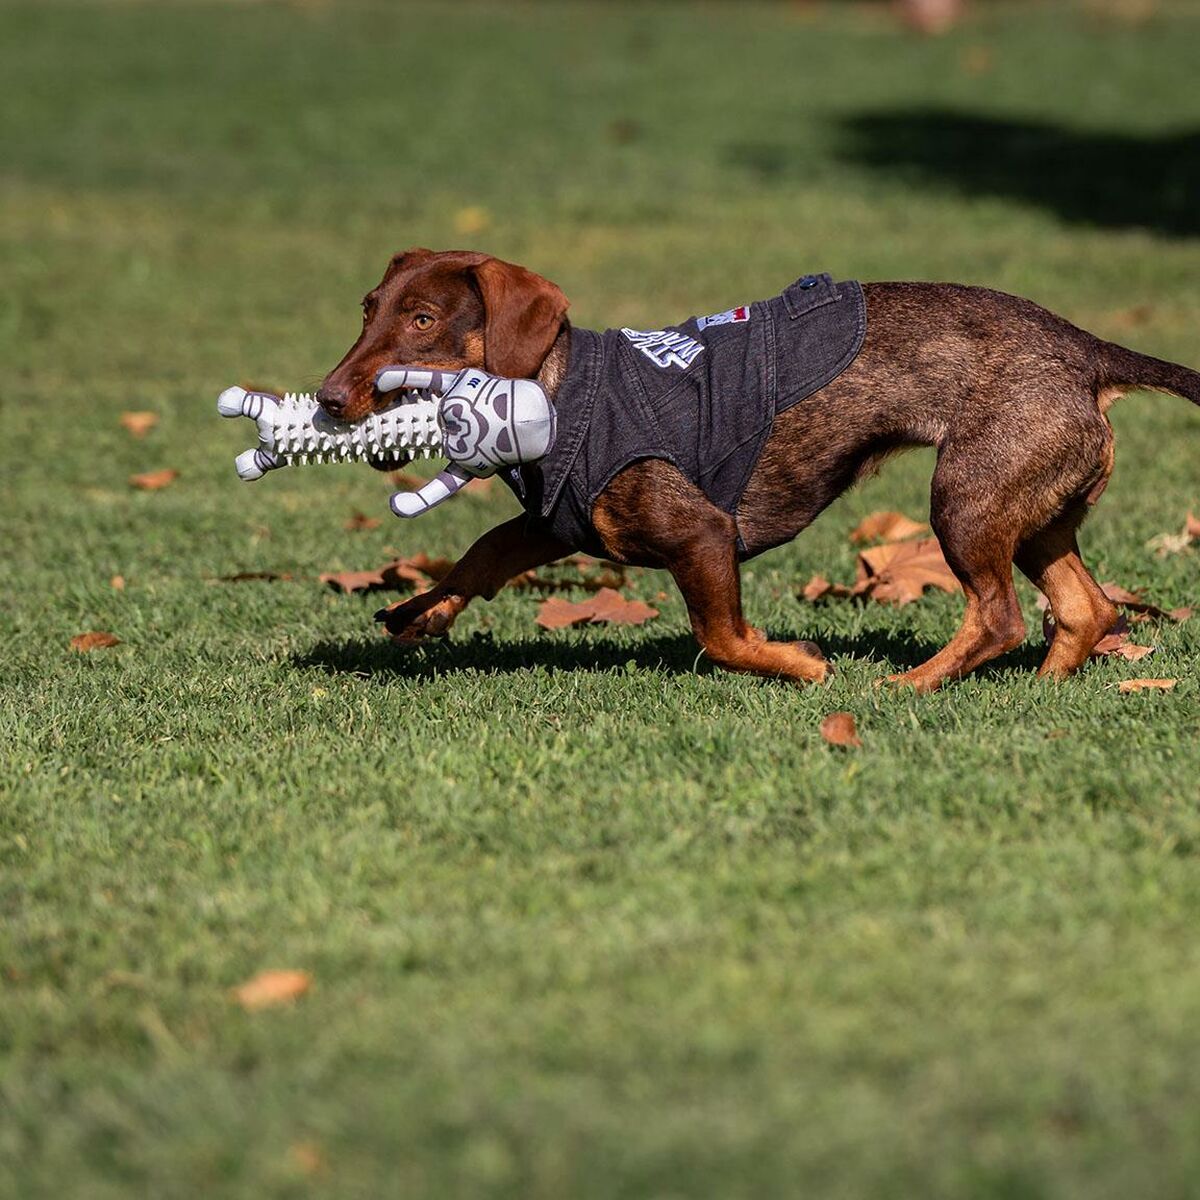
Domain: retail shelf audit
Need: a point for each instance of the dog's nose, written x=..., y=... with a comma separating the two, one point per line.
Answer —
x=332, y=399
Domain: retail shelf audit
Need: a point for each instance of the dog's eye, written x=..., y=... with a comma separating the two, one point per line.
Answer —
x=422, y=320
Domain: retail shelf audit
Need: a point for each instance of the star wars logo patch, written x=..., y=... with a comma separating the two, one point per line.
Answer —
x=731, y=316
x=665, y=347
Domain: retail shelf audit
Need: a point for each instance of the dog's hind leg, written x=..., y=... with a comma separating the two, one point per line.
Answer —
x=977, y=538
x=1083, y=614
x=651, y=515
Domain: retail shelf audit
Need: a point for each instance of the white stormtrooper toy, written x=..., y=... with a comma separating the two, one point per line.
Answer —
x=480, y=422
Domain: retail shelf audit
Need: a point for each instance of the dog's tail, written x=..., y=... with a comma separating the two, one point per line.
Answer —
x=1122, y=370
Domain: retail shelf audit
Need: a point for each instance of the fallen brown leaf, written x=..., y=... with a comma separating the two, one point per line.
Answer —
x=139, y=423
x=611, y=608
x=894, y=573
x=307, y=1157
x=886, y=527
x=359, y=520
x=117, y=583
x=839, y=729
x=1135, y=602
x=1142, y=685
x=436, y=568
x=607, y=607
x=818, y=587
x=1177, y=543
x=557, y=613
x=591, y=574
x=1119, y=645
x=354, y=581
x=152, y=481
x=95, y=640
x=899, y=573
x=270, y=988
x=1169, y=543
x=400, y=575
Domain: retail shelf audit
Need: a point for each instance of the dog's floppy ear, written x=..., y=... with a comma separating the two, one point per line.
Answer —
x=524, y=314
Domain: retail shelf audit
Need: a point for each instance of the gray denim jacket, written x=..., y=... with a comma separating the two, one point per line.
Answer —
x=701, y=395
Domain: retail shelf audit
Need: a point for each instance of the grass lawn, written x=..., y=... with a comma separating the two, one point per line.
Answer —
x=584, y=917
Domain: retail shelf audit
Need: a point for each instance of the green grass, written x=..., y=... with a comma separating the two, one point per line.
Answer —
x=585, y=917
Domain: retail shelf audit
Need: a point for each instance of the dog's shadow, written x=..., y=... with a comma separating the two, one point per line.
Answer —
x=675, y=654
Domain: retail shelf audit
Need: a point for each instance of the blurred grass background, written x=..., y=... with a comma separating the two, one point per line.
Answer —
x=585, y=917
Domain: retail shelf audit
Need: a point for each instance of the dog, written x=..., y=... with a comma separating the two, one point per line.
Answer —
x=1013, y=397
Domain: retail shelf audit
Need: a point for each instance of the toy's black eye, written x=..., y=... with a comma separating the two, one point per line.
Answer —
x=423, y=321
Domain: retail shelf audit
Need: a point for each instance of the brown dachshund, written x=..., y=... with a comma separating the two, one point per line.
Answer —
x=1013, y=397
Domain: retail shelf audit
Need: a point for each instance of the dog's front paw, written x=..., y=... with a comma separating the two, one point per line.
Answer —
x=428, y=615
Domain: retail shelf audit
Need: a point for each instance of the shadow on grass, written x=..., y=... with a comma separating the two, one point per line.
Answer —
x=1121, y=180
x=1089, y=177
x=676, y=654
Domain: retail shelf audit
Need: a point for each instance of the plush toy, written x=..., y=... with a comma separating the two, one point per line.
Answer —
x=480, y=422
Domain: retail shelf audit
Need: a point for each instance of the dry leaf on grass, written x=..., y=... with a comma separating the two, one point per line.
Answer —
x=269, y=988
x=139, y=423
x=895, y=573
x=1136, y=603
x=607, y=607
x=1177, y=543
x=307, y=1157
x=839, y=729
x=900, y=573
x=400, y=575
x=886, y=527
x=1118, y=645
x=95, y=640
x=818, y=587
x=1144, y=685
x=359, y=520
x=592, y=574
x=153, y=481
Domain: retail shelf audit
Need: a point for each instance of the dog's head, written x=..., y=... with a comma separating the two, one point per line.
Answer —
x=449, y=310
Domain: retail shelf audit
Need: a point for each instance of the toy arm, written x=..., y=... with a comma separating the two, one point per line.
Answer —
x=441, y=487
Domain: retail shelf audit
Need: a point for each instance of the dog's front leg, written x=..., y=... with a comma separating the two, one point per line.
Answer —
x=486, y=567
x=652, y=514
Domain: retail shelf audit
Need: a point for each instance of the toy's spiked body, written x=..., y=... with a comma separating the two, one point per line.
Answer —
x=295, y=428
x=480, y=422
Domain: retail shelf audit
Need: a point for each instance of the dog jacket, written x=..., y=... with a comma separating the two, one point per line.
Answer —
x=702, y=395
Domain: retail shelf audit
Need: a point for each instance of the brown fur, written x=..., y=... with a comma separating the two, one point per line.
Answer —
x=1012, y=396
